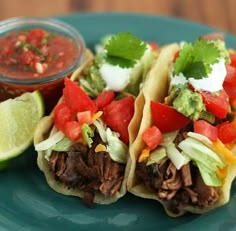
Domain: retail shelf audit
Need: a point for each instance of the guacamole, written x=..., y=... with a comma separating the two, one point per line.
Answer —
x=188, y=103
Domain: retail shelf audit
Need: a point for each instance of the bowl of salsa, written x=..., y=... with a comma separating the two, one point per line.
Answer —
x=37, y=53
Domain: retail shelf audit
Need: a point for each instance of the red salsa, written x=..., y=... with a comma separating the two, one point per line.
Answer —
x=35, y=53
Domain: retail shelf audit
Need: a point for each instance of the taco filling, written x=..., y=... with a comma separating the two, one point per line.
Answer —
x=188, y=147
x=88, y=169
x=86, y=150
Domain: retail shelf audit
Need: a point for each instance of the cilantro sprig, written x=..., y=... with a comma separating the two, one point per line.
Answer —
x=124, y=49
x=196, y=60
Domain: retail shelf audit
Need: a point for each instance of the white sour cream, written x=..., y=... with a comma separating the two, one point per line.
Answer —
x=213, y=82
x=116, y=78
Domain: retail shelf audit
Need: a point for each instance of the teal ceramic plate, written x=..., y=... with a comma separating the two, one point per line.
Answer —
x=26, y=201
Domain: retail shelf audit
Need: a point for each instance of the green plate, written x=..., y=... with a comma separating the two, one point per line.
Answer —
x=26, y=201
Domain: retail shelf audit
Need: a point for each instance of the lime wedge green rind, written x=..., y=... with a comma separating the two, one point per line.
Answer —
x=19, y=118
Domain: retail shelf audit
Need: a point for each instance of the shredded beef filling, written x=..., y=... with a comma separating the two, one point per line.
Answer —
x=177, y=187
x=87, y=170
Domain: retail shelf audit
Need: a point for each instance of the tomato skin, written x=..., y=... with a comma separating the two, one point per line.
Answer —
x=233, y=59
x=176, y=56
x=206, y=129
x=73, y=130
x=27, y=57
x=103, y=99
x=230, y=81
x=152, y=137
x=118, y=114
x=62, y=115
x=84, y=117
x=227, y=132
x=166, y=118
x=35, y=36
x=217, y=104
x=76, y=98
x=154, y=46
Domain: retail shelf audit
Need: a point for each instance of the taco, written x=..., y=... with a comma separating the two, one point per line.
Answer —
x=83, y=144
x=183, y=155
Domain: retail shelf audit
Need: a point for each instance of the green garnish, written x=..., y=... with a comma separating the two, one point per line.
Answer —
x=33, y=48
x=124, y=49
x=45, y=40
x=87, y=133
x=195, y=60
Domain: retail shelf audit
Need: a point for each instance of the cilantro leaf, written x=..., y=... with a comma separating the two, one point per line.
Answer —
x=195, y=60
x=124, y=49
x=184, y=58
x=122, y=62
x=196, y=70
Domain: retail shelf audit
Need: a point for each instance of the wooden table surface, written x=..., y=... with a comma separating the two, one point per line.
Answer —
x=216, y=13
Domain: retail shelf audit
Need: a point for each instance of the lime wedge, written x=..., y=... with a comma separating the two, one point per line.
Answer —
x=18, y=120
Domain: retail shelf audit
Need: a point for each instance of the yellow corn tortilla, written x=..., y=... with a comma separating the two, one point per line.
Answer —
x=156, y=88
x=43, y=132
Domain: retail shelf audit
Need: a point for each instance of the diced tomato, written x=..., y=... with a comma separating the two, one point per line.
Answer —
x=230, y=81
x=76, y=98
x=103, y=99
x=154, y=46
x=36, y=34
x=217, y=104
x=166, y=118
x=62, y=115
x=73, y=130
x=118, y=114
x=152, y=137
x=84, y=117
x=233, y=59
x=227, y=132
x=27, y=57
x=206, y=129
x=176, y=56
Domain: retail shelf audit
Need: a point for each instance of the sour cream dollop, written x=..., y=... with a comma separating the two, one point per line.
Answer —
x=116, y=78
x=213, y=82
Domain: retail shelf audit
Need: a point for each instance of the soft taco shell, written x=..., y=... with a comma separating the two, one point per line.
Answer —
x=43, y=132
x=156, y=88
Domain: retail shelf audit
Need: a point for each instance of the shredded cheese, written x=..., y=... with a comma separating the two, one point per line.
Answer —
x=97, y=115
x=221, y=173
x=144, y=155
x=100, y=148
x=221, y=149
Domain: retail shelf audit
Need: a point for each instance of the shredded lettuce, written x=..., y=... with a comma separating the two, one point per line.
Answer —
x=87, y=133
x=206, y=159
x=156, y=156
x=117, y=150
x=50, y=141
x=101, y=128
x=200, y=138
x=63, y=145
x=176, y=157
x=169, y=138
x=200, y=152
x=210, y=178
